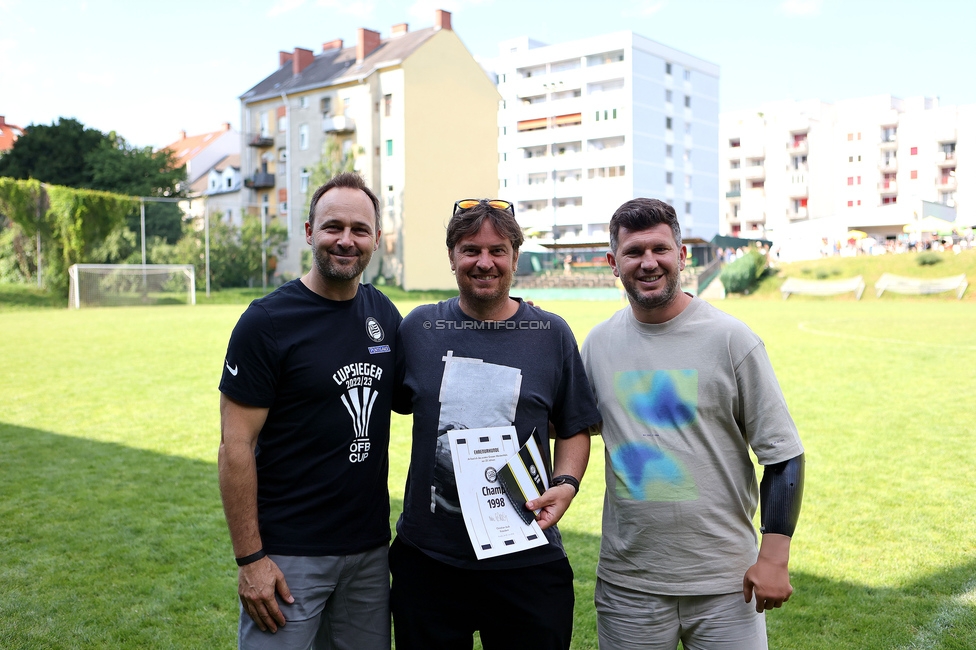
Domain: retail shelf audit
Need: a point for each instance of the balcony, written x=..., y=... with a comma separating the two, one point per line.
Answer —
x=338, y=124
x=945, y=183
x=260, y=180
x=945, y=159
x=888, y=142
x=798, y=147
x=733, y=194
x=798, y=214
x=888, y=187
x=888, y=164
x=259, y=140
x=754, y=173
x=798, y=188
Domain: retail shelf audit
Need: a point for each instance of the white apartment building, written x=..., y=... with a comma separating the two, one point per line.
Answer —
x=586, y=125
x=799, y=173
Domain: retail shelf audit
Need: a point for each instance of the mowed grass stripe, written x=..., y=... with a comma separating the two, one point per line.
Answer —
x=114, y=537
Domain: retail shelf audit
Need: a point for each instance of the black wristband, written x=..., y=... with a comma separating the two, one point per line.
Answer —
x=565, y=479
x=249, y=559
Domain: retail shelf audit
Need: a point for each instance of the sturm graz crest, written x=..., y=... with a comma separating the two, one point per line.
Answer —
x=374, y=330
x=491, y=475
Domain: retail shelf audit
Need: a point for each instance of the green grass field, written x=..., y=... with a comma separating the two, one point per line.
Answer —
x=113, y=536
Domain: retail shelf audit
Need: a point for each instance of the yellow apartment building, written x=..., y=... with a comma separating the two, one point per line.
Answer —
x=415, y=109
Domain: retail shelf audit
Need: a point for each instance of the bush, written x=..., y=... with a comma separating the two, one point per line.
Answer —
x=742, y=274
x=928, y=258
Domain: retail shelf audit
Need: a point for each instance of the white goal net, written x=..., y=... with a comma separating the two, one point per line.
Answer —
x=112, y=285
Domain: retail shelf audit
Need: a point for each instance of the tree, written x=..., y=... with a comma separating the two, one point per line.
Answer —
x=117, y=166
x=55, y=154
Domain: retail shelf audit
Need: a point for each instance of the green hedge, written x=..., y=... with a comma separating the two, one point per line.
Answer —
x=742, y=275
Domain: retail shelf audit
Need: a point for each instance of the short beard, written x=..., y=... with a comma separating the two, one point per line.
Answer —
x=331, y=271
x=671, y=289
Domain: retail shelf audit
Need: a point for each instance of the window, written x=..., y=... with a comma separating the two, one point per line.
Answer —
x=304, y=180
x=850, y=204
x=914, y=151
x=858, y=180
x=667, y=68
x=687, y=75
x=325, y=105
x=687, y=127
x=303, y=102
x=757, y=185
x=282, y=124
x=389, y=147
x=687, y=207
x=667, y=123
x=734, y=164
x=303, y=136
x=687, y=155
x=850, y=159
x=850, y=180
x=687, y=101
x=914, y=173
x=264, y=124
x=734, y=143
x=387, y=104
x=888, y=200
x=668, y=151
x=230, y=183
x=667, y=96
x=687, y=181
x=850, y=137
x=859, y=201
x=668, y=178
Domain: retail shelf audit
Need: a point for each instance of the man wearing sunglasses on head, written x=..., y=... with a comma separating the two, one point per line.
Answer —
x=483, y=360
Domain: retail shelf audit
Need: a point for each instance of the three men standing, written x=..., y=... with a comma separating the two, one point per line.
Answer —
x=306, y=393
x=685, y=391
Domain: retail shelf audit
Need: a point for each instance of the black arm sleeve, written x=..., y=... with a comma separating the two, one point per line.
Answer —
x=780, y=494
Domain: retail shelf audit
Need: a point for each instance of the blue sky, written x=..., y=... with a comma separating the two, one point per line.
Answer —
x=149, y=69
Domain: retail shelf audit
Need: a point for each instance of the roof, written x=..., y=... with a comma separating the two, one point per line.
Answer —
x=337, y=66
x=8, y=134
x=233, y=160
x=188, y=147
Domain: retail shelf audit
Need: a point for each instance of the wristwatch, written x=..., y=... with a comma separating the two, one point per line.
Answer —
x=564, y=479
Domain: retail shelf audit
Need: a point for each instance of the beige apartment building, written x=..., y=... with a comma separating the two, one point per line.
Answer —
x=805, y=173
x=416, y=111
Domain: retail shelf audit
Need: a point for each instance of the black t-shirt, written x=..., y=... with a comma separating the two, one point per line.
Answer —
x=326, y=370
x=525, y=371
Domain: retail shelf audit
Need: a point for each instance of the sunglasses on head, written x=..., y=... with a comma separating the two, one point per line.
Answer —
x=498, y=204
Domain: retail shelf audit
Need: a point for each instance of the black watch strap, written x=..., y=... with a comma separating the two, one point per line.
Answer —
x=566, y=479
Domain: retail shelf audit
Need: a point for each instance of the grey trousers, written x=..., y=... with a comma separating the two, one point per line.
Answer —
x=341, y=603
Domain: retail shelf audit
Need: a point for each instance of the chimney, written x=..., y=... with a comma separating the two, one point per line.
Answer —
x=2, y=122
x=182, y=135
x=332, y=45
x=283, y=58
x=366, y=42
x=302, y=59
x=442, y=19
x=225, y=126
x=399, y=30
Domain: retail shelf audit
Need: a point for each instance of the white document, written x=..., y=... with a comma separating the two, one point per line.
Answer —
x=493, y=524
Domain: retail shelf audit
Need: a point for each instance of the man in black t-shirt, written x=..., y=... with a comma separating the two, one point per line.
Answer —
x=306, y=392
x=486, y=360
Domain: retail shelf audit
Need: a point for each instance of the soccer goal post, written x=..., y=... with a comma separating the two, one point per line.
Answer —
x=114, y=285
